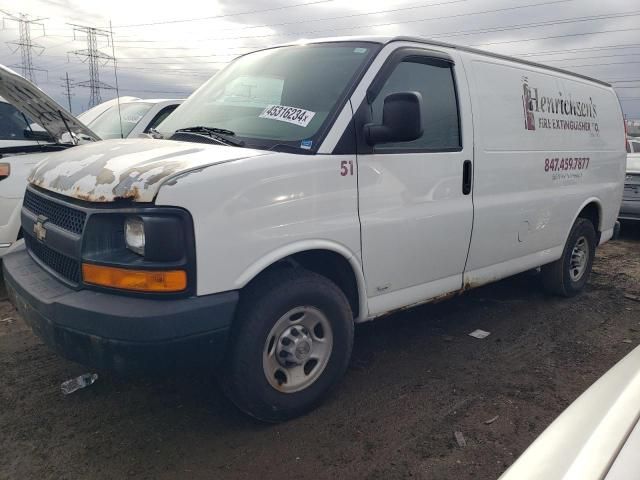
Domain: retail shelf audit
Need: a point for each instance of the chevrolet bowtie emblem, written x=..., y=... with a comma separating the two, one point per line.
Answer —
x=39, y=228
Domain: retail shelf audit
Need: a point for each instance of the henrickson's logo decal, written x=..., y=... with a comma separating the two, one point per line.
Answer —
x=559, y=111
x=527, y=104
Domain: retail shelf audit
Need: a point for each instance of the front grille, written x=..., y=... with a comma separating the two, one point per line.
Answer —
x=61, y=264
x=64, y=217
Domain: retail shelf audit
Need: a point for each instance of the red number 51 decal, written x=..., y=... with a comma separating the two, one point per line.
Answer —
x=346, y=168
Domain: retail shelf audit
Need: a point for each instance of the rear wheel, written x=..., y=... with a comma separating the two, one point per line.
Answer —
x=568, y=275
x=291, y=343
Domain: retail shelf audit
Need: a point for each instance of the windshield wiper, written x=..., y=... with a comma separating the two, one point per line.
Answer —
x=220, y=134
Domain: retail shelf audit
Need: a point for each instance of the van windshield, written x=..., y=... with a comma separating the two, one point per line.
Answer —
x=282, y=95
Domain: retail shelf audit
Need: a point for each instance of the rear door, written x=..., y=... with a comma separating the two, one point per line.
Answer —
x=415, y=199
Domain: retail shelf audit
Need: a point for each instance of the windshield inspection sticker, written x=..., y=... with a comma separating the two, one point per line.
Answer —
x=306, y=144
x=282, y=113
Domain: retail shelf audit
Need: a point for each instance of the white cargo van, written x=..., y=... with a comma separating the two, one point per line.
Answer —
x=309, y=187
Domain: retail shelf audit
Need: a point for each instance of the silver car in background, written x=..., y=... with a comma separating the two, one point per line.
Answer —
x=630, y=208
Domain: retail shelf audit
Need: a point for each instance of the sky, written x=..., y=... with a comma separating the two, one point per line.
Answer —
x=168, y=49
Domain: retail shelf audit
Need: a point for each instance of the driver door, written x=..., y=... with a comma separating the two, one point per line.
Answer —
x=415, y=197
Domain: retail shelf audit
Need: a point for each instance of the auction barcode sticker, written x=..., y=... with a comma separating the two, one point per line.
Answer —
x=282, y=113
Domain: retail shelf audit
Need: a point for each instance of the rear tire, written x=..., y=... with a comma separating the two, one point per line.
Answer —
x=568, y=275
x=290, y=344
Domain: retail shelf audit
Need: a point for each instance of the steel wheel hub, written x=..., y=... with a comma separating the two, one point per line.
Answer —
x=294, y=346
x=297, y=349
x=579, y=259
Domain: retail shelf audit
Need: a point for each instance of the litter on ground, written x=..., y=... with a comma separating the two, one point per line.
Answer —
x=77, y=383
x=479, y=334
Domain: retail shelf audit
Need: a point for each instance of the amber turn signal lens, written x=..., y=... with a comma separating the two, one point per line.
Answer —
x=5, y=170
x=137, y=280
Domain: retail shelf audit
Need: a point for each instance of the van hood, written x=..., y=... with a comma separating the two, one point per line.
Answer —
x=42, y=109
x=132, y=169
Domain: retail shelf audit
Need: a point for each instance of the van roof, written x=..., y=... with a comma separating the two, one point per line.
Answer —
x=388, y=39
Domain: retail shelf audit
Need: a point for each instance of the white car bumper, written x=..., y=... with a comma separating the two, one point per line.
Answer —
x=9, y=222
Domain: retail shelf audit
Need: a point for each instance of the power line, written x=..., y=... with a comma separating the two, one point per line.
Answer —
x=162, y=72
x=539, y=24
x=205, y=63
x=146, y=47
x=459, y=15
x=556, y=52
x=67, y=85
x=155, y=91
x=601, y=64
x=195, y=72
x=181, y=70
x=249, y=49
x=590, y=58
x=556, y=36
x=342, y=17
x=447, y=34
x=273, y=9
x=523, y=54
x=93, y=56
x=211, y=55
x=25, y=44
x=138, y=62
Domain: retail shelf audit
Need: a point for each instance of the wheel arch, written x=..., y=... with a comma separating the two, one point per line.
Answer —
x=590, y=209
x=330, y=259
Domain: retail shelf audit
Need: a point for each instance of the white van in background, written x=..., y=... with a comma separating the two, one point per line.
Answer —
x=309, y=187
x=131, y=118
x=94, y=112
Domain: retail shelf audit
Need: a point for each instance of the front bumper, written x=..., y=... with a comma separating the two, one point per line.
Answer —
x=118, y=332
x=629, y=210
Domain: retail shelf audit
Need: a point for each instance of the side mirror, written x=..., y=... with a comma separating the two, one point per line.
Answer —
x=401, y=120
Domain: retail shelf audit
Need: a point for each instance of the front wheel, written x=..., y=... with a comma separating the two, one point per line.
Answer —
x=568, y=275
x=291, y=343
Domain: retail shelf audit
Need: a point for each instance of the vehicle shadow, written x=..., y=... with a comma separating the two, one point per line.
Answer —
x=630, y=231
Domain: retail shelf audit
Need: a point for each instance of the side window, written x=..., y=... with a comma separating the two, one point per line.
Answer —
x=636, y=147
x=435, y=82
x=160, y=116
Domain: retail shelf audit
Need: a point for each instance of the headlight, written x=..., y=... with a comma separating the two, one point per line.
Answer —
x=134, y=234
x=5, y=170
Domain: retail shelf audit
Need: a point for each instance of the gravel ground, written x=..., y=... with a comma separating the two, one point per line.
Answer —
x=415, y=379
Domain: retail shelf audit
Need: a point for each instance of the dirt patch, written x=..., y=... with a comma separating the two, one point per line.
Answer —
x=415, y=379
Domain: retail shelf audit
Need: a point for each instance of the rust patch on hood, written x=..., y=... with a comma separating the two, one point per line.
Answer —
x=126, y=169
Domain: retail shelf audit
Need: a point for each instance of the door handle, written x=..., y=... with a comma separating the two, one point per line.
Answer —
x=467, y=172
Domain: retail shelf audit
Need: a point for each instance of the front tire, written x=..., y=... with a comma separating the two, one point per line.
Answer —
x=568, y=275
x=290, y=344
